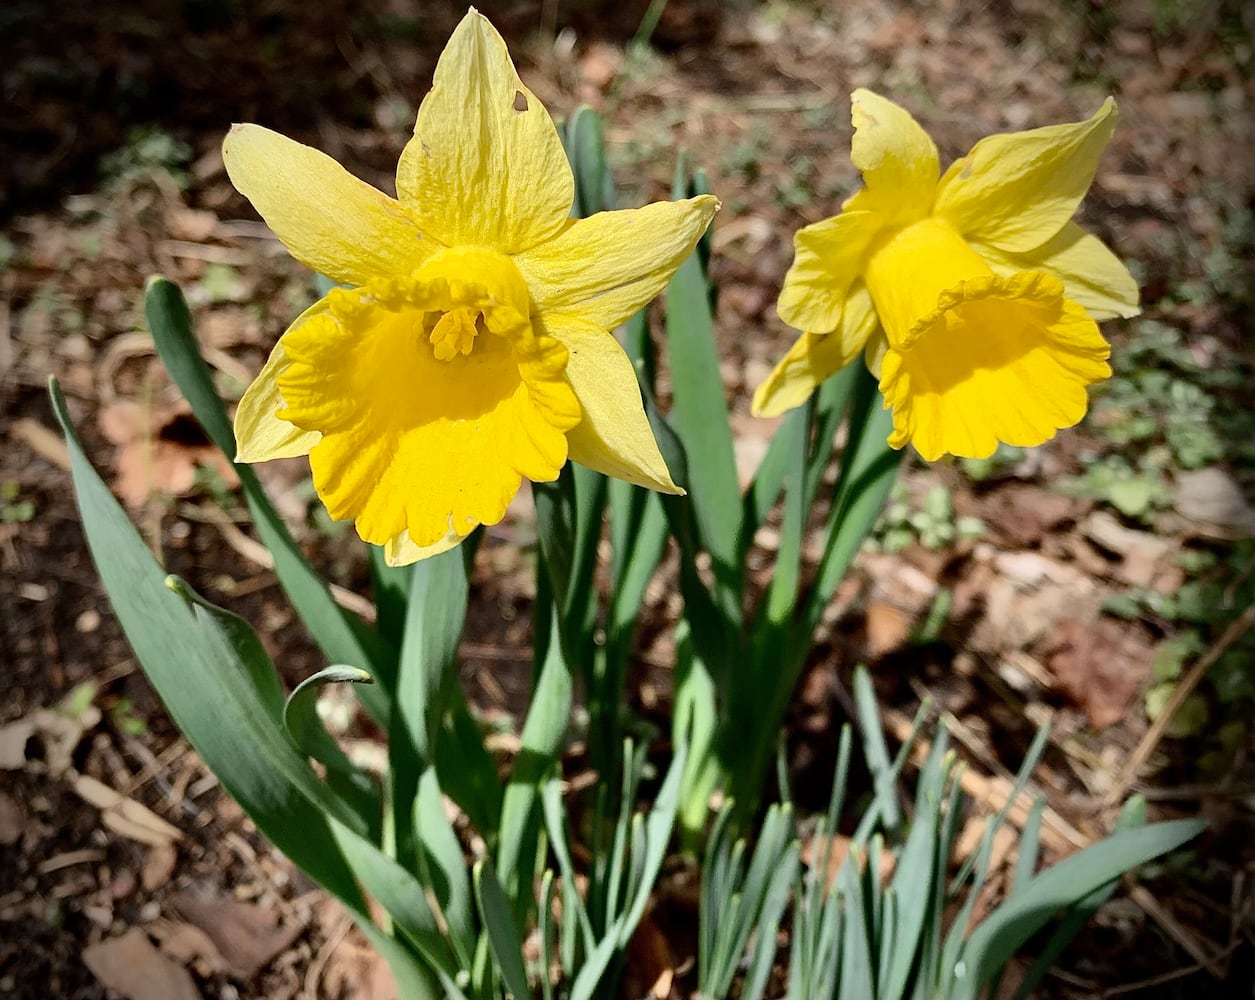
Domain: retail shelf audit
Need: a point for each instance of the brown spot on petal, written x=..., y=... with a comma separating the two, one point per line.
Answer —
x=520, y=101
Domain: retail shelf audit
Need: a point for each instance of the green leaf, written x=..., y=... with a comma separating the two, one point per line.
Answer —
x=638, y=531
x=877, y=752
x=414, y=980
x=237, y=645
x=468, y=772
x=834, y=402
x=503, y=937
x=585, y=147
x=443, y=865
x=658, y=827
x=770, y=912
x=435, y=613
x=171, y=324
x=1001, y=935
x=542, y=738
x=218, y=705
x=739, y=901
x=545, y=932
x=869, y=468
x=696, y=711
x=300, y=718
x=568, y=525
x=857, y=964
x=912, y=876
x=781, y=596
x=1133, y=814
x=300, y=714
x=217, y=702
x=574, y=912
x=700, y=417
x=391, y=587
x=589, y=979
x=342, y=638
x=768, y=481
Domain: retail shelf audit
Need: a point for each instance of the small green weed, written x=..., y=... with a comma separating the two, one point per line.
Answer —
x=148, y=150
x=933, y=524
x=13, y=510
x=124, y=719
x=1216, y=714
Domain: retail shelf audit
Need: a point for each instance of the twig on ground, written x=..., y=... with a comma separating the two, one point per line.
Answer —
x=1057, y=833
x=316, y=968
x=1142, y=984
x=1207, y=958
x=256, y=552
x=1120, y=788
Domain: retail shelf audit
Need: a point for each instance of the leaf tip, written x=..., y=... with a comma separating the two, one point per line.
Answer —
x=179, y=586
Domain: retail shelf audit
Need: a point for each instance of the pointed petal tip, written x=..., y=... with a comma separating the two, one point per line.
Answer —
x=770, y=402
x=401, y=550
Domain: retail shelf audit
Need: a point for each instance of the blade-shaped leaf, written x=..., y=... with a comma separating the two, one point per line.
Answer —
x=700, y=417
x=217, y=705
x=300, y=718
x=342, y=637
x=1001, y=934
x=503, y=936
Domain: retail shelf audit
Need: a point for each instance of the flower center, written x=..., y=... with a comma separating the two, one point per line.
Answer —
x=452, y=333
x=908, y=271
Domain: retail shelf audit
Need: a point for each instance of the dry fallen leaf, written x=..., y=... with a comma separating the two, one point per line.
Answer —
x=247, y=936
x=159, y=450
x=1024, y=514
x=1215, y=503
x=13, y=740
x=190, y=946
x=1101, y=665
x=130, y=965
x=888, y=628
x=189, y=223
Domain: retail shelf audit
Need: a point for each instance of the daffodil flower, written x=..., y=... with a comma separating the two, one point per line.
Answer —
x=973, y=294
x=472, y=349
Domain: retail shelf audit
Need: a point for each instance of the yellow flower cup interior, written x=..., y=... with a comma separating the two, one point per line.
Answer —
x=975, y=358
x=466, y=398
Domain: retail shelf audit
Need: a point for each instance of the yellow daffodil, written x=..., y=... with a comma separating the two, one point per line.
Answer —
x=973, y=294
x=472, y=350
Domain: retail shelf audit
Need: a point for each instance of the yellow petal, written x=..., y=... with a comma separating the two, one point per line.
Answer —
x=604, y=268
x=260, y=434
x=875, y=351
x=614, y=438
x=828, y=257
x=485, y=165
x=816, y=356
x=1001, y=360
x=897, y=158
x=1091, y=274
x=401, y=550
x=1017, y=191
x=327, y=218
